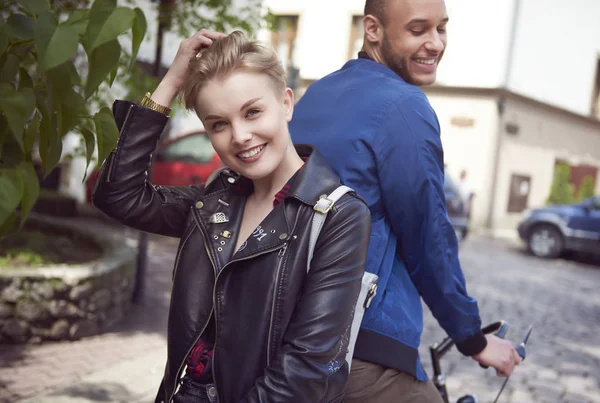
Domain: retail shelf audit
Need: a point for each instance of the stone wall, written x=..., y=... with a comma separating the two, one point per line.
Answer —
x=66, y=302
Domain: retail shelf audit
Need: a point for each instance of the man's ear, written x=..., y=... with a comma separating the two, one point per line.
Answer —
x=288, y=103
x=373, y=29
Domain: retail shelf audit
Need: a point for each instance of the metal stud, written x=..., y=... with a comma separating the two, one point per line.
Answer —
x=272, y=231
x=220, y=249
x=199, y=205
x=231, y=180
x=283, y=236
x=295, y=237
x=215, y=236
x=225, y=234
x=218, y=218
x=224, y=203
x=222, y=242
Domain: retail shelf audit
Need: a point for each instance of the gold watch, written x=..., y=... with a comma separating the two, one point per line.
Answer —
x=147, y=102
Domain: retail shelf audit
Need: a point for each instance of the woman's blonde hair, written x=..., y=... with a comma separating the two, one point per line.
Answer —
x=226, y=55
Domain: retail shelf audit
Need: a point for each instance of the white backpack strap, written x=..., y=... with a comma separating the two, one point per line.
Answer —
x=322, y=207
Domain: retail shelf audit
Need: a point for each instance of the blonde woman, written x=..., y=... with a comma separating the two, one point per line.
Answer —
x=247, y=322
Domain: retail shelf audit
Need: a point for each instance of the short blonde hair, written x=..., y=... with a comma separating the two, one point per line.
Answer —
x=226, y=55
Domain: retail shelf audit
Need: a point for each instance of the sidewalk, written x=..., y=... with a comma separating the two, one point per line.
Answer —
x=124, y=363
x=134, y=381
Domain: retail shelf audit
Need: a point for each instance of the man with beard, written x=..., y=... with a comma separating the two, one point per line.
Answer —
x=375, y=126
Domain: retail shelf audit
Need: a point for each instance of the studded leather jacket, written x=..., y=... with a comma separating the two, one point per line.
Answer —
x=280, y=333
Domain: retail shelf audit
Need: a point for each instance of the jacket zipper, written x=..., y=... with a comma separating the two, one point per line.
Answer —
x=179, y=252
x=212, y=311
x=112, y=161
x=281, y=255
x=215, y=304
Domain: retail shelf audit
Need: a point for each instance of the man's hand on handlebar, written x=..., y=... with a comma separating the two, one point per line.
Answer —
x=499, y=354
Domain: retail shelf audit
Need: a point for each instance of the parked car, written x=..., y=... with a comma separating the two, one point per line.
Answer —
x=458, y=208
x=180, y=161
x=553, y=230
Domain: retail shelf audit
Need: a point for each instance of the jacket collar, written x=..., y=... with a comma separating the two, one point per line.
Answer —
x=306, y=188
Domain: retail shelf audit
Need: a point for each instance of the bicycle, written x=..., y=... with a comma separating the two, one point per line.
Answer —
x=438, y=350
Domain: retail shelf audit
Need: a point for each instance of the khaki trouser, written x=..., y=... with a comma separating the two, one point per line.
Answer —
x=372, y=383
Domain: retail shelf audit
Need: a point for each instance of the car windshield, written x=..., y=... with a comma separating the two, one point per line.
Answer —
x=194, y=148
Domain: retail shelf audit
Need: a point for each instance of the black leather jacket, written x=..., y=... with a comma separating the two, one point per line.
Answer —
x=281, y=334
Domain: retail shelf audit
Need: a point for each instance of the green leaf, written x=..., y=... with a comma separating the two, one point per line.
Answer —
x=17, y=107
x=79, y=20
x=54, y=44
x=59, y=85
x=3, y=136
x=3, y=37
x=20, y=26
x=119, y=21
x=113, y=75
x=107, y=133
x=35, y=7
x=50, y=144
x=90, y=145
x=25, y=80
x=69, y=112
x=102, y=61
x=100, y=12
x=31, y=189
x=12, y=154
x=31, y=134
x=139, y=31
x=11, y=189
x=45, y=26
x=10, y=68
x=8, y=224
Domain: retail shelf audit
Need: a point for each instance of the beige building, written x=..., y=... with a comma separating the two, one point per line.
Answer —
x=509, y=145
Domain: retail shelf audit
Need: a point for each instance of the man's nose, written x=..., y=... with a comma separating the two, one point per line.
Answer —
x=436, y=43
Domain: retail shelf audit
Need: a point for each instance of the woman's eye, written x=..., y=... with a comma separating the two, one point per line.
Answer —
x=218, y=125
x=252, y=112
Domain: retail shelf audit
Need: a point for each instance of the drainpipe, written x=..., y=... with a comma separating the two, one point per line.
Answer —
x=501, y=107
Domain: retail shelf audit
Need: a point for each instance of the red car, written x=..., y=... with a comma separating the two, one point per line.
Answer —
x=181, y=161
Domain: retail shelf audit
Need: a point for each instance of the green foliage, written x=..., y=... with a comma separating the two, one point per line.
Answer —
x=58, y=58
x=42, y=95
x=587, y=189
x=562, y=191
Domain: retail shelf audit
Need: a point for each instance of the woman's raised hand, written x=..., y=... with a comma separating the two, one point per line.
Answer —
x=173, y=81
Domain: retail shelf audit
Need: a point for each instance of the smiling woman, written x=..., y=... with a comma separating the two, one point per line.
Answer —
x=248, y=321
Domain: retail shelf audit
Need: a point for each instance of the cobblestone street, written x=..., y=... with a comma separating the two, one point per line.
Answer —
x=560, y=298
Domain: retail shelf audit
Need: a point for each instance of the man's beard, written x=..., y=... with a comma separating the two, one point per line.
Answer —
x=394, y=62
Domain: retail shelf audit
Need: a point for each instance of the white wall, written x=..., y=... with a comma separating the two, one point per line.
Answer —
x=469, y=148
x=556, y=52
x=323, y=32
x=476, y=56
x=478, y=42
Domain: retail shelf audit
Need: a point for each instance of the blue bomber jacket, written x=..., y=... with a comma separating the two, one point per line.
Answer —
x=382, y=138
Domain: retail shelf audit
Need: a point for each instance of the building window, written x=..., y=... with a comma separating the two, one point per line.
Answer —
x=283, y=38
x=520, y=186
x=357, y=32
x=596, y=93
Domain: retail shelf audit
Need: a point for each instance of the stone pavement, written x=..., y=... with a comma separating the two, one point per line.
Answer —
x=28, y=370
x=559, y=298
